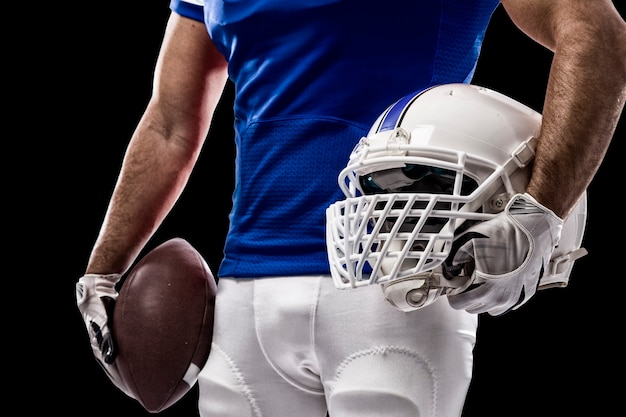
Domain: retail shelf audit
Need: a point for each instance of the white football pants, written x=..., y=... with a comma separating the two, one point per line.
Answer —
x=299, y=347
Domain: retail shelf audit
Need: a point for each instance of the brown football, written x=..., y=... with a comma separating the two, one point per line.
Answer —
x=163, y=323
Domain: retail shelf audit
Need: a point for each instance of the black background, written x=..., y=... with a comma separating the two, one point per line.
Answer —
x=76, y=90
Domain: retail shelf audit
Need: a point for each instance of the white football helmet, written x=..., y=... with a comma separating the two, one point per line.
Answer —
x=434, y=163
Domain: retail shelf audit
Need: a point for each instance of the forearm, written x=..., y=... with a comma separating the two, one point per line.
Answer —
x=189, y=79
x=584, y=99
x=153, y=175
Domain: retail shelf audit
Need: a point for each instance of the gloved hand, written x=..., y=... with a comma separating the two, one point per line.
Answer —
x=508, y=254
x=95, y=297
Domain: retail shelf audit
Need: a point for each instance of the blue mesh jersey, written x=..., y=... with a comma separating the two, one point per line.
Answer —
x=311, y=76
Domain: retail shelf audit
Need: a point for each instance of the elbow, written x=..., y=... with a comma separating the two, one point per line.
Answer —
x=621, y=56
x=611, y=41
x=615, y=46
x=598, y=45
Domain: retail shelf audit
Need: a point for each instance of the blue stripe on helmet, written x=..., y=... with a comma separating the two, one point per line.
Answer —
x=396, y=112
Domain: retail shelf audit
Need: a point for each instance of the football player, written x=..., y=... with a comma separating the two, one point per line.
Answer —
x=310, y=77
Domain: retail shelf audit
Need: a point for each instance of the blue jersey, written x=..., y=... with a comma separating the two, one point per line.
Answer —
x=311, y=76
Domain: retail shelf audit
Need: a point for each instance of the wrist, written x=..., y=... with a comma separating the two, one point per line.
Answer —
x=532, y=200
x=103, y=285
x=109, y=277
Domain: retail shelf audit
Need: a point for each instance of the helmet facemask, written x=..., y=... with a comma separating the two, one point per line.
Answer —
x=404, y=209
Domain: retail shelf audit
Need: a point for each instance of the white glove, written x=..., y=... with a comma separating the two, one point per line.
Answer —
x=95, y=297
x=508, y=253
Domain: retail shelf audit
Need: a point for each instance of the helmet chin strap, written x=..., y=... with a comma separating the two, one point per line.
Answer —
x=412, y=293
x=418, y=290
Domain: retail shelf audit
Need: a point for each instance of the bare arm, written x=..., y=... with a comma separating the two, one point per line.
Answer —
x=189, y=79
x=585, y=93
